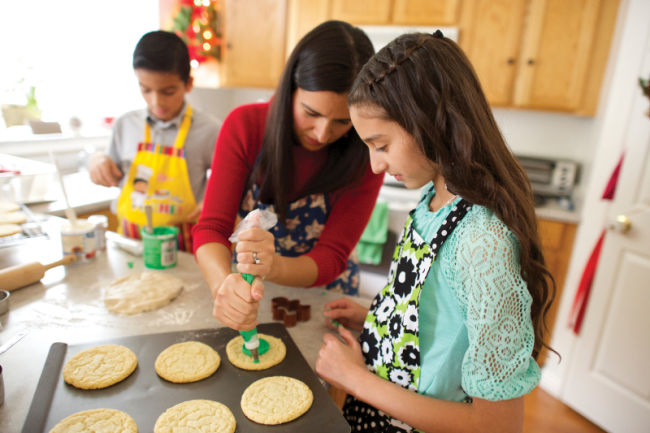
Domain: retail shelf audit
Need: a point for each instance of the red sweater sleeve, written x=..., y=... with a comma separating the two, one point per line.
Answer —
x=349, y=215
x=238, y=145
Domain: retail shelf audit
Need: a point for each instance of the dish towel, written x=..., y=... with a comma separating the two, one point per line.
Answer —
x=584, y=288
x=371, y=245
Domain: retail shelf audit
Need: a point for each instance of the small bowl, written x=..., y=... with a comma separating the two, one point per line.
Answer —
x=4, y=301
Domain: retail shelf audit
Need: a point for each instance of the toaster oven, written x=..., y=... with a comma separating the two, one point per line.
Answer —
x=552, y=178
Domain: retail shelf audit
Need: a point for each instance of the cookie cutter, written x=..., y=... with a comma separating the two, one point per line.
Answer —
x=290, y=312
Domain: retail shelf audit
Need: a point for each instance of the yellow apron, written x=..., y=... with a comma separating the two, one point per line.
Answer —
x=158, y=177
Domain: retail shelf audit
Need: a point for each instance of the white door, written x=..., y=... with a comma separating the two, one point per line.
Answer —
x=609, y=375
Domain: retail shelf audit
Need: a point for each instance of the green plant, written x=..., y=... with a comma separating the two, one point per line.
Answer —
x=645, y=86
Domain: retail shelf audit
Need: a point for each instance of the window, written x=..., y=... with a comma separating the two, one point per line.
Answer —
x=76, y=54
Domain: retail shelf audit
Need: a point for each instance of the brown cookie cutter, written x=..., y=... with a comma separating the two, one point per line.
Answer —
x=289, y=311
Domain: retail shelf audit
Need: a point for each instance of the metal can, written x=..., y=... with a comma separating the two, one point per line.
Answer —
x=101, y=225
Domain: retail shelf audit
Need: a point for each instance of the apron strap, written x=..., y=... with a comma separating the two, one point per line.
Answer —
x=182, y=130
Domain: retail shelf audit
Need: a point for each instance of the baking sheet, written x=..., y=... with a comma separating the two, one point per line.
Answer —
x=144, y=395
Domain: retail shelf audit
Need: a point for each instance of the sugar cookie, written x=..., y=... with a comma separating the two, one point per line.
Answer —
x=8, y=206
x=9, y=229
x=185, y=362
x=276, y=353
x=100, y=366
x=97, y=420
x=276, y=400
x=196, y=415
x=13, y=218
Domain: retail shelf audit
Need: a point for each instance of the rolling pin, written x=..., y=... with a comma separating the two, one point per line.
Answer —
x=15, y=277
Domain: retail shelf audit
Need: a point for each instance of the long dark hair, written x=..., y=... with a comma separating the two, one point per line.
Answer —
x=327, y=58
x=162, y=51
x=427, y=85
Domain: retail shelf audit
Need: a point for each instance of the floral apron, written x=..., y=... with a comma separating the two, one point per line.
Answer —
x=390, y=337
x=158, y=177
x=305, y=221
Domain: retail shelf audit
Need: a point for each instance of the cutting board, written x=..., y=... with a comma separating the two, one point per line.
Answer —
x=144, y=395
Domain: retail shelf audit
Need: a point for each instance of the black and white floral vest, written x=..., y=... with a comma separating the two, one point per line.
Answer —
x=390, y=337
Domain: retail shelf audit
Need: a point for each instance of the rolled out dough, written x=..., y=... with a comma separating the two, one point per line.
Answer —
x=141, y=292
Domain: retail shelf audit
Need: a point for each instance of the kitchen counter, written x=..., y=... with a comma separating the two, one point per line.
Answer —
x=67, y=306
x=85, y=197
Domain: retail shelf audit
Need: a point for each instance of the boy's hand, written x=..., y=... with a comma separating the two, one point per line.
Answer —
x=104, y=171
x=193, y=216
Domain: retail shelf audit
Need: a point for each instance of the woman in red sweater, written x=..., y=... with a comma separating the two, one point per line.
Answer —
x=300, y=157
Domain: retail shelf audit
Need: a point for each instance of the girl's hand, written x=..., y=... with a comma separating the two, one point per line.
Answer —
x=346, y=312
x=341, y=364
x=256, y=242
x=236, y=302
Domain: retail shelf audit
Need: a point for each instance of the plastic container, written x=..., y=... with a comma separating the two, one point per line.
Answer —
x=101, y=225
x=79, y=239
x=160, y=247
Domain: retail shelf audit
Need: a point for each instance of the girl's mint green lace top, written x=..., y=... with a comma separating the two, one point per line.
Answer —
x=476, y=334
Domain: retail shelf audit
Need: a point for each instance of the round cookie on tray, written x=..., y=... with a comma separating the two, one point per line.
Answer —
x=97, y=420
x=276, y=400
x=196, y=415
x=276, y=353
x=100, y=366
x=185, y=362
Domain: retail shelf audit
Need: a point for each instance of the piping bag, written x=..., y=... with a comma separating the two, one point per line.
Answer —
x=254, y=346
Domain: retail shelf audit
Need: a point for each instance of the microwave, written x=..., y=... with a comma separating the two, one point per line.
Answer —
x=548, y=177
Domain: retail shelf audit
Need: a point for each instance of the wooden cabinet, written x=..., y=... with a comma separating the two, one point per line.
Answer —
x=253, y=43
x=254, y=37
x=306, y=14
x=491, y=37
x=361, y=11
x=425, y=12
x=539, y=54
x=557, y=243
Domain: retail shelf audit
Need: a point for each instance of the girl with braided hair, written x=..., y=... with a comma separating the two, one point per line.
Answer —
x=450, y=343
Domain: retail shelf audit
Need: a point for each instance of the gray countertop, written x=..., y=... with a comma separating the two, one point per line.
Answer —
x=85, y=197
x=67, y=306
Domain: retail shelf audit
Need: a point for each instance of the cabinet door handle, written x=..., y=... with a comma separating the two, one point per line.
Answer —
x=511, y=61
x=531, y=62
x=621, y=224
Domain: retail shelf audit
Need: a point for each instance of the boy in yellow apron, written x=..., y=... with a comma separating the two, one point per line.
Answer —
x=158, y=177
x=159, y=156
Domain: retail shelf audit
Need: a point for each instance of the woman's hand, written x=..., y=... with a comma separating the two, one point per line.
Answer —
x=260, y=243
x=346, y=312
x=236, y=302
x=341, y=363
